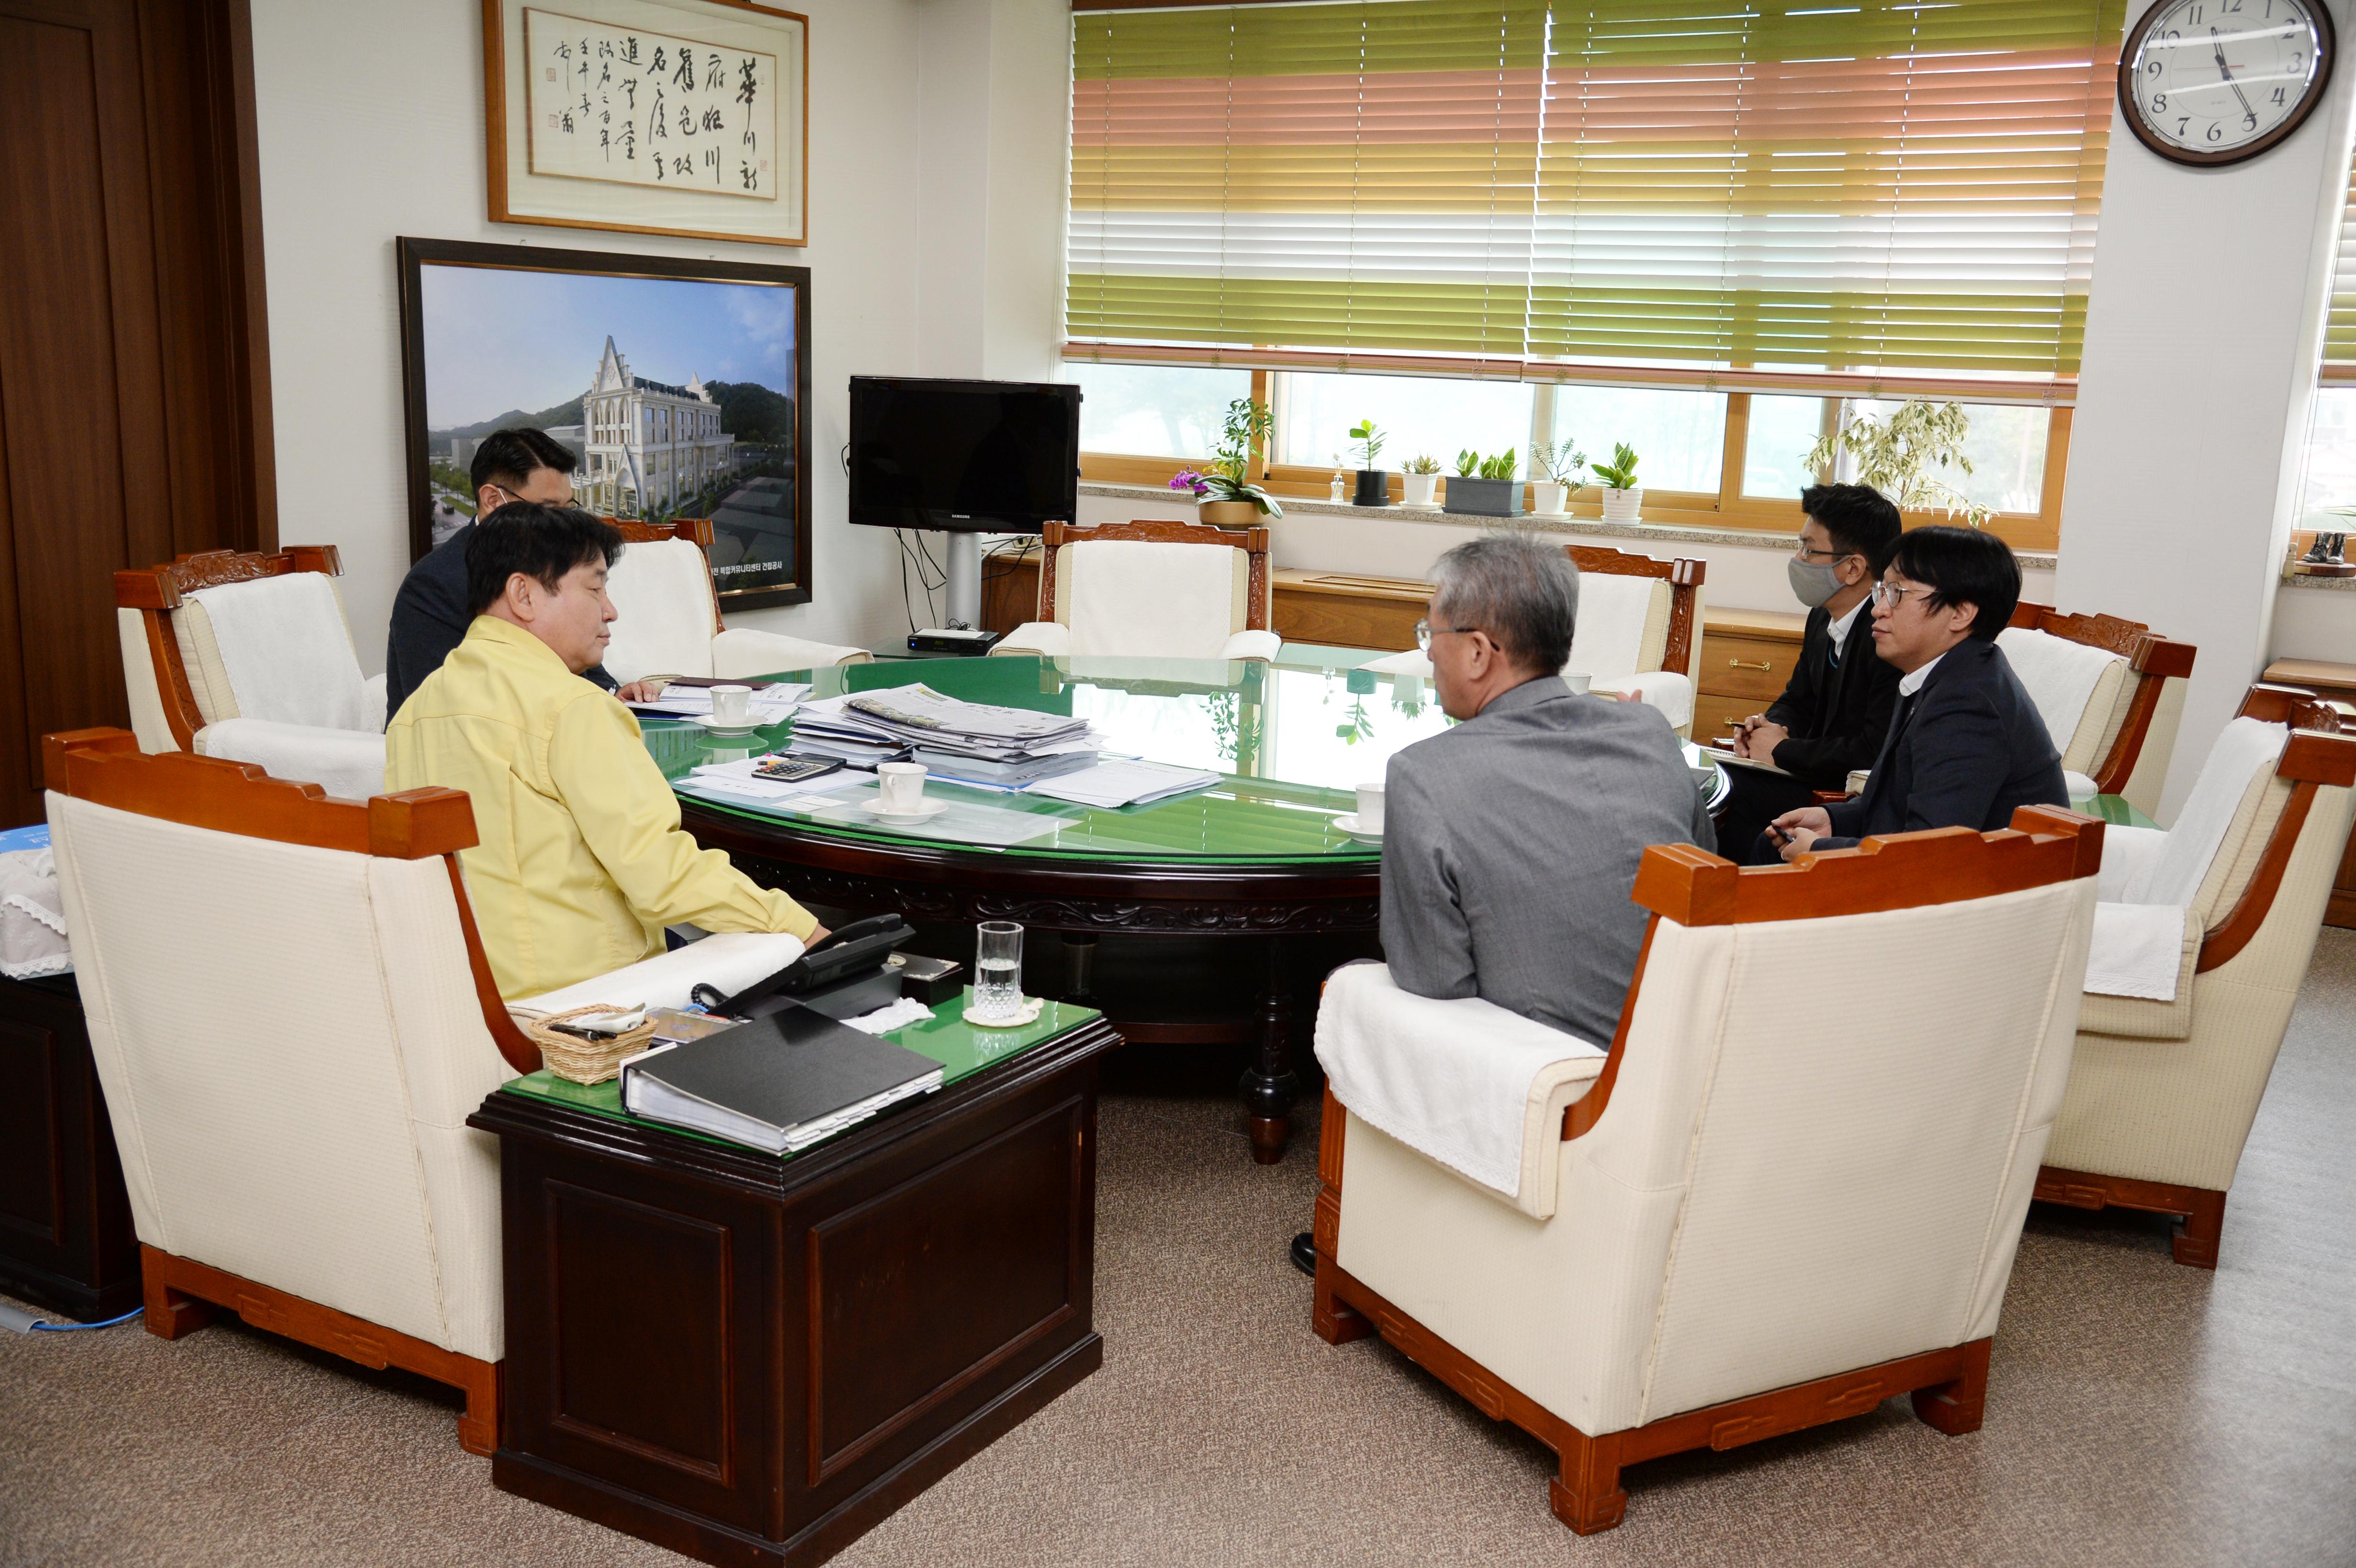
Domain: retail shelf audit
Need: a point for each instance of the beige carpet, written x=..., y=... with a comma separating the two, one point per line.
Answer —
x=2138, y=1413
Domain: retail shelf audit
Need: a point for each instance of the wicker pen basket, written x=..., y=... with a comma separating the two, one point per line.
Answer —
x=581, y=1060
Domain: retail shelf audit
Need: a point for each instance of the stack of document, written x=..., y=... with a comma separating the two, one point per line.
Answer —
x=1006, y=747
x=1110, y=785
x=772, y=702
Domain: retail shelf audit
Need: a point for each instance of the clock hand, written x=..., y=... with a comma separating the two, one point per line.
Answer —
x=2226, y=75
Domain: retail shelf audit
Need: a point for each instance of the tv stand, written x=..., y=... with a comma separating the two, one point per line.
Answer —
x=964, y=580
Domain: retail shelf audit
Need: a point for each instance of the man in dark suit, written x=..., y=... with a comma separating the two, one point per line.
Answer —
x=1967, y=744
x=429, y=613
x=1835, y=708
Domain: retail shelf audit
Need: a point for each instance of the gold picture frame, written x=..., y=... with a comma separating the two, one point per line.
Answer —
x=752, y=199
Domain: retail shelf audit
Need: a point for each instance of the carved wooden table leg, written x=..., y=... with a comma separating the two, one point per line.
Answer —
x=1268, y=1086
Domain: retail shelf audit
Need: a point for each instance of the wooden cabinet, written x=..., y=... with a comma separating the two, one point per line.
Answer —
x=1747, y=657
x=2338, y=682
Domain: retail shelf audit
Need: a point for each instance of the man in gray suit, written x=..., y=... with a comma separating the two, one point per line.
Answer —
x=1510, y=841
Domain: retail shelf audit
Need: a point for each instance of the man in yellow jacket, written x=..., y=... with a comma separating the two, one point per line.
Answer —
x=582, y=862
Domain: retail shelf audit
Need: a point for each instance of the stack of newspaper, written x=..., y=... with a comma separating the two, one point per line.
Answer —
x=1004, y=747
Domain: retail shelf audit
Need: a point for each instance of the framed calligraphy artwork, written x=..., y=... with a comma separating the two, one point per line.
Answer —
x=681, y=387
x=686, y=117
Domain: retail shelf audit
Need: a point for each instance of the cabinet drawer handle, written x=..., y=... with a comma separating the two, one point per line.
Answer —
x=1746, y=664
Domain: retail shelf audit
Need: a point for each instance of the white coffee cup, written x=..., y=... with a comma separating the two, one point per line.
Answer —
x=732, y=705
x=903, y=784
x=1370, y=807
x=1578, y=680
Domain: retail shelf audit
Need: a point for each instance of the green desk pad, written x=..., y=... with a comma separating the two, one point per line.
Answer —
x=2116, y=810
x=962, y=1049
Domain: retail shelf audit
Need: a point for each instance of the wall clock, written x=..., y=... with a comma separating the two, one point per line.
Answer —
x=2215, y=82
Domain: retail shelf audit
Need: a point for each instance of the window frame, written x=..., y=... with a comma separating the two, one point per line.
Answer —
x=1728, y=509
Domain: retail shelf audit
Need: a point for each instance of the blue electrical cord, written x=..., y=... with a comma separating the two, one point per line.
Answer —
x=68, y=1327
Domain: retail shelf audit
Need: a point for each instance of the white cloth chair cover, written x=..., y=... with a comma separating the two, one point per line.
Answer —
x=662, y=590
x=1138, y=599
x=2077, y=688
x=1765, y=1200
x=347, y=763
x=285, y=649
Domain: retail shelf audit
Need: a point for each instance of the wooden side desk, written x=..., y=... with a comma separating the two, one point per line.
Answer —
x=2338, y=682
x=66, y=1239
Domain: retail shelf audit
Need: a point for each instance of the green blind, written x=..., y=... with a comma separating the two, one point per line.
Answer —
x=2340, y=325
x=1879, y=187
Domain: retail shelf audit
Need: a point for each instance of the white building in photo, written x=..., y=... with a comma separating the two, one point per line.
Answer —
x=649, y=445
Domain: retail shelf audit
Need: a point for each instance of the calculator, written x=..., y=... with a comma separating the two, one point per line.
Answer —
x=794, y=769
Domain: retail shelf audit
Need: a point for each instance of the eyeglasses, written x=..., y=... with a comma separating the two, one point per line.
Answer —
x=1425, y=630
x=1802, y=547
x=1891, y=595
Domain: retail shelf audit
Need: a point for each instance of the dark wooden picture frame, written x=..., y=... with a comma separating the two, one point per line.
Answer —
x=414, y=255
x=2131, y=49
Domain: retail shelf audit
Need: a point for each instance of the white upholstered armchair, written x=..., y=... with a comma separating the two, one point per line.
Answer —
x=249, y=657
x=1749, y=1214
x=2200, y=947
x=668, y=614
x=2110, y=692
x=291, y=1018
x=1638, y=632
x=1149, y=590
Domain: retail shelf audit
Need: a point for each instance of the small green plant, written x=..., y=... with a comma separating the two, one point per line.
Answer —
x=1556, y=462
x=1620, y=473
x=1899, y=456
x=1423, y=465
x=1500, y=467
x=1468, y=464
x=1369, y=440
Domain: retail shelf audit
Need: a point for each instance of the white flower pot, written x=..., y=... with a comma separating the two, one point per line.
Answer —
x=1622, y=506
x=1421, y=488
x=1548, y=500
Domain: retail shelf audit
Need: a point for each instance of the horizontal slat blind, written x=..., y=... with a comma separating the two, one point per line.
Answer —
x=2339, y=326
x=1872, y=189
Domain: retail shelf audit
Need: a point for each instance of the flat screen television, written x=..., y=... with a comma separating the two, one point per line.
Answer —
x=963, y=456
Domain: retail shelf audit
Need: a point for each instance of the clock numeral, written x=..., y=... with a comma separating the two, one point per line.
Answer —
x=2216, y=133
x=2278, y=95
x=2160, y=103
x=2250, y=120
x=2182, y=123
x=2153, y=69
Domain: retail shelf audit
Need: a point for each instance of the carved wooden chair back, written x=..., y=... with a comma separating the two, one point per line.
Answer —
x=2318, y=754
x=1253, y=542
x=2152, y=660
x=146, y=599
x=1685, y=575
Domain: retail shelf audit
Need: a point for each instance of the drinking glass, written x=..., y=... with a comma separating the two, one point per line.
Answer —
x=997, y=969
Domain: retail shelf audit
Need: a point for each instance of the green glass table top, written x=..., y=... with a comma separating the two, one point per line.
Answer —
x=2116, y=810
x=962, y=1049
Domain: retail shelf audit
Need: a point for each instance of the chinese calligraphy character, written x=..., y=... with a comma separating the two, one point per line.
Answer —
x=630, y=93
x=685, y=75
x=630, y=48
x=712, y=159
x=659, y=60
x=744, y=83
x=712, y=120
x=655, y=118
x=565, y=123
x=686, y=121
x=745, y=172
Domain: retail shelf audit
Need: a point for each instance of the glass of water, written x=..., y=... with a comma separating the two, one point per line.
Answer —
x=997, y=969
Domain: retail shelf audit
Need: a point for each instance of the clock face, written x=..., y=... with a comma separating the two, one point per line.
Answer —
x=2214, y=80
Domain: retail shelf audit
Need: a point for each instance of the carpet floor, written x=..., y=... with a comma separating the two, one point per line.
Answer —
x=2138, y=1412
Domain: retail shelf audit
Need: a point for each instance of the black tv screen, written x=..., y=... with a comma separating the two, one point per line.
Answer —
x=963, y=456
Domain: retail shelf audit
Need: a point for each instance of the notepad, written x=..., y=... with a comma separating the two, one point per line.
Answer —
x=1720, y=754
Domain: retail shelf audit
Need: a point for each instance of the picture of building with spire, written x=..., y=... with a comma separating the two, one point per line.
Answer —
x=649, y=445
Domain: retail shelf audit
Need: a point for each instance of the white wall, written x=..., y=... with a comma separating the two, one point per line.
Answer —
x=2201, y=336
x=352, y=158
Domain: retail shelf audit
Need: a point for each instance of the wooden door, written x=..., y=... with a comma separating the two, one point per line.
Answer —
x=134, y=380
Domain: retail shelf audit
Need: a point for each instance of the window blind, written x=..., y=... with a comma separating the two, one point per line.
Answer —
x=2339, y=324
x=1665, y=190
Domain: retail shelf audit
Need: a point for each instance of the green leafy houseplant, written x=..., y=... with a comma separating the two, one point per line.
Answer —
x=1247, y=424
x=1369, y=440
x=1468, y=464
x=1422, y=465
x=1555, y=462
x=1620, y=473
x=1906, y=456
x=1500, y=467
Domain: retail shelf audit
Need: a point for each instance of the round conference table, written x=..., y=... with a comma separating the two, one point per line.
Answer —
x=1258, y=854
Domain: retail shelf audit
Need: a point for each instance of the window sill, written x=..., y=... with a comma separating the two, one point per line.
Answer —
x=1659, y=533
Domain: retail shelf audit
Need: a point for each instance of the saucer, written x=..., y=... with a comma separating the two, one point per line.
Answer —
x=924, y=812
x=1348, y=823
x=724, y=732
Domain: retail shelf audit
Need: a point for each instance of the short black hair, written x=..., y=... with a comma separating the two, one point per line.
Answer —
x=1858, y=517
x=1962, y=566
x=507, y=457
x=541, y=542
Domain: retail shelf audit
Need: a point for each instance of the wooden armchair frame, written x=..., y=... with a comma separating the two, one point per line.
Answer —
x=1948, y=1386
x=2317, y=754
x=1683, y=575
x=1253, y=542
x=182, y=1295
x=157, y=591
x=2151, y=660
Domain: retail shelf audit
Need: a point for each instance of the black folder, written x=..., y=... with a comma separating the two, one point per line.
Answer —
x=780, y=1084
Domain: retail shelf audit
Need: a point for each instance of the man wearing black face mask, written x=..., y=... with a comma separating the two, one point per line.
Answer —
x=1836, y=706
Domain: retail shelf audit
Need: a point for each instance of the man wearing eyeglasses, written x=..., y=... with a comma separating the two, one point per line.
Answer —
x=430, y=617
x=1967, y=744
x=1835, y=708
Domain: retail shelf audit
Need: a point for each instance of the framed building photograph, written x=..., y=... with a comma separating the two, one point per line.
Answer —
x=680, y=386
x=687, y=117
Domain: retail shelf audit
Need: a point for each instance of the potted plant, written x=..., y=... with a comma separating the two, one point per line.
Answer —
x=1551, y=466
x=1374, y=485
x=1422, y=480
x=1622, y=496
x=1485, y=487
x=1899, y=455
x=1225, y=496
